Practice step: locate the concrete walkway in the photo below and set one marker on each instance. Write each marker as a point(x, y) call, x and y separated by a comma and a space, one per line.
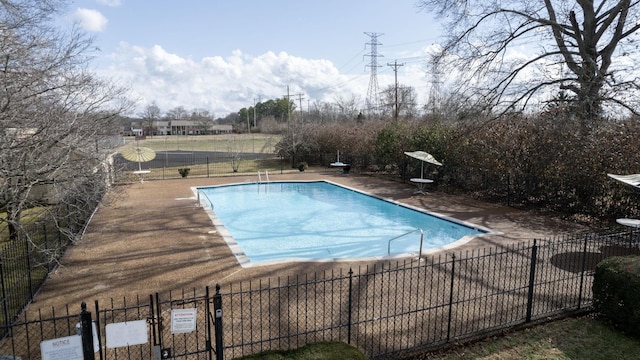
point(154, 237)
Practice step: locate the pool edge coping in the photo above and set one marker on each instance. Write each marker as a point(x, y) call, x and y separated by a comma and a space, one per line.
point(244, 261)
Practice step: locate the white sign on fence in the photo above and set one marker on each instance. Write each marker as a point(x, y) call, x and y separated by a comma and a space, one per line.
point(65, 348)
point(96, 344)
point(183, 320)
point(127, 333)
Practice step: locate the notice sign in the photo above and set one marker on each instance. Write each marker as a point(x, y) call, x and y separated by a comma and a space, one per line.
point(183, 320)
point(66, 348)
point(126, 333)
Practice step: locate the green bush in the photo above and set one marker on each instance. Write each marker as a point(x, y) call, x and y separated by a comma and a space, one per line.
point(184, 172)
point(616, 292)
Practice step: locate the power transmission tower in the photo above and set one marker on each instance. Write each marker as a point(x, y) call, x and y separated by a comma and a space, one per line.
point(435, 97)
point(395, 66)
point(373, 102)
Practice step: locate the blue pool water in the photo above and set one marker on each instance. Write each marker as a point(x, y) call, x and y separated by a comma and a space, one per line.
point(322, 220)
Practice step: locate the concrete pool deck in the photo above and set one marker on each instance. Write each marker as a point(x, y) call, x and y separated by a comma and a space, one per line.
point(154, 237)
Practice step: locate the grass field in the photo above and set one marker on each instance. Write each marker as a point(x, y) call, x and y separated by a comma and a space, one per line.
point(572, 338)
point(272, 166)
point(229, 143)
point(254, 143)
point(27, 216)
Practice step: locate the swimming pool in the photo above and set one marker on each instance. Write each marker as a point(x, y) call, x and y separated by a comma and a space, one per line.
point(320, 220)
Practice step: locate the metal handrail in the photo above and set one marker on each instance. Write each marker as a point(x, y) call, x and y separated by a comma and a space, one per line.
point(209, 200)
point(266, 174)
point(402, 235)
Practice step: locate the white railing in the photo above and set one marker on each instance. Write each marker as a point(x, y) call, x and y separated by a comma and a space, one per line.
point(405, 234)
point(209, 200)
point(266, 175)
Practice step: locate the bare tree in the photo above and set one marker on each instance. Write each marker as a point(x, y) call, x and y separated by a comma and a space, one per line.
point(54, 114)
point(150, 114)
point(575, 45)
point(177, 113)
point(235, 148)
point(400, 101)
point(295, 143)
point(347, 108)
point(204, 120)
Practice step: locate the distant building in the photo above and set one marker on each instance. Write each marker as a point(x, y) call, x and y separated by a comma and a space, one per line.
point(220, 129)
point(175, 127)
point(161, 127)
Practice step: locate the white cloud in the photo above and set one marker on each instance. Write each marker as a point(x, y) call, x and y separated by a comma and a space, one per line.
point(225, 84)
point(90, 20)
point(112, 3)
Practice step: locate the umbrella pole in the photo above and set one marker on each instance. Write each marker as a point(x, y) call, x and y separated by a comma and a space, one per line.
point(421, 169)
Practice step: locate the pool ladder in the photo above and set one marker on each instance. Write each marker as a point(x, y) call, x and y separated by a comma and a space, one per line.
point(405, 234)
point(266, 175)
point(206, 197)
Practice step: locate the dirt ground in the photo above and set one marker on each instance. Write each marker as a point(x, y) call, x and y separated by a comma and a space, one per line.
point(154, 237)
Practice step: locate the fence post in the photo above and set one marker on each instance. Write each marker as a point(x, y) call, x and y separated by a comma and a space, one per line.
point(154, 323)
point(217, 308)
point(160, 326)
point(87, 336)
point(508, 189)
point(350, 306)
point(46, 247)
point(30, 274)
point(453, 273)
point(208, 174)
point(98, 333)
point(5, 301)
point(584, 266)
point(207, 306)
point(532, 276)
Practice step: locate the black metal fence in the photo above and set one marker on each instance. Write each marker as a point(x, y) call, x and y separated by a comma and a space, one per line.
point(393, 310)
point(166, 165)
point(27, 260)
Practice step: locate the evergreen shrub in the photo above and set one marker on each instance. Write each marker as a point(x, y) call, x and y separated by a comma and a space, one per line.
point(616, 292)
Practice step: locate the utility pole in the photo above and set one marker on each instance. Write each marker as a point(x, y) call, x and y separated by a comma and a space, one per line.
point(299, 95)
point(248, 123)
point(288, 106)
point(395, 66)
point(254, 112)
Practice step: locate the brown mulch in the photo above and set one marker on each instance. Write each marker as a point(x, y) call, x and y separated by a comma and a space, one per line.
point(154, 237)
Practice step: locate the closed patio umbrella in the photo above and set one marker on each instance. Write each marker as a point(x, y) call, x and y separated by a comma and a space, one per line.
point(139, 155)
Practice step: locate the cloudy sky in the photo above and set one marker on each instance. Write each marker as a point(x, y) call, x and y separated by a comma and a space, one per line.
point(222, 55)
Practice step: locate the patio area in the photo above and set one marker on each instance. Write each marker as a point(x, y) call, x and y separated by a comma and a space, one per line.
point(154, 237)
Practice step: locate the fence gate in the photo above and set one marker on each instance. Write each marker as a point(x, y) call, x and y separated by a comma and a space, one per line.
point(182, 326)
